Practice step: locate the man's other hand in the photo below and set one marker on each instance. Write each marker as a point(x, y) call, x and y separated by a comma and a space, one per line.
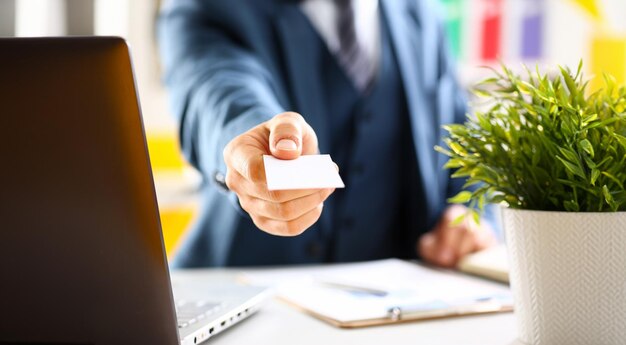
point(282, 213)
point(447, 243)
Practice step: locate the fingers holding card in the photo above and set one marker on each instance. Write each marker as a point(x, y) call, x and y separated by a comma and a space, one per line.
point(304, 172)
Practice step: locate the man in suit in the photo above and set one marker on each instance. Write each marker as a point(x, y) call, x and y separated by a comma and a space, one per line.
point(369, 81)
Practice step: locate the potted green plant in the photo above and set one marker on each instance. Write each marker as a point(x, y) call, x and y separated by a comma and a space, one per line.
point(554, 155)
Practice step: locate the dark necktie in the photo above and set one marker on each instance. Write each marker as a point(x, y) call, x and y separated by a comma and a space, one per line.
point(351, 55)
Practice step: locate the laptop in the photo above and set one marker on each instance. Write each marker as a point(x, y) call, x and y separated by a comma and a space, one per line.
point(82, 259)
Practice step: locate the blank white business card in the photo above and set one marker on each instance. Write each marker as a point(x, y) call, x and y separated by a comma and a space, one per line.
point(305, 172)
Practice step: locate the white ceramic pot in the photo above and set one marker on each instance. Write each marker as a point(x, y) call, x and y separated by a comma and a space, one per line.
point(568, 276)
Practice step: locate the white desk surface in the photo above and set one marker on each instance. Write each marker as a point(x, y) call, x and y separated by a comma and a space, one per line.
point(277, 324)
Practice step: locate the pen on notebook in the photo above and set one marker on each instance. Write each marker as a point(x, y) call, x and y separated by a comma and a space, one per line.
point(354, 288)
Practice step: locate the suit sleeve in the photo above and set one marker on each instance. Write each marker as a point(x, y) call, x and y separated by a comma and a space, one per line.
point(218, 88)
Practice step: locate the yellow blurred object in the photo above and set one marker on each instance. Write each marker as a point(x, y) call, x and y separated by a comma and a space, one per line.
point(608, 55)
point(164, 150)
point(175, 222)
point(591, 7)
point(173, 182)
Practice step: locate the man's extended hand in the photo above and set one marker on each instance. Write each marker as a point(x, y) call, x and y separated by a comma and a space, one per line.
point(447, 243)
point(283, 213)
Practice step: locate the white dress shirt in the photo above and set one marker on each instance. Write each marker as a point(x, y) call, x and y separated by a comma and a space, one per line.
point(323, 16)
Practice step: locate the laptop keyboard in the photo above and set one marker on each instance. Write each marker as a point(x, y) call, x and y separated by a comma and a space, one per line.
point(190, 312)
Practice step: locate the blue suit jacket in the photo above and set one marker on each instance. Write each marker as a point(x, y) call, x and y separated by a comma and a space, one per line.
point(231, 65)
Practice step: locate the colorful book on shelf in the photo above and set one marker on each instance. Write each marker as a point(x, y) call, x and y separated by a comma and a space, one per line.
point(454, 13)
point(590, 7)
point(532, 29)
point(491, 29)
point(608, 55)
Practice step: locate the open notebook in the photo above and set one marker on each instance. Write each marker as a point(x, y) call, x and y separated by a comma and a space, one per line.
point(382, 292)
point(490, 263)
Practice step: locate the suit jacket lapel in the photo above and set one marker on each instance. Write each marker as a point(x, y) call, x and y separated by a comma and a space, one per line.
point(409, 45)
point(304, 84)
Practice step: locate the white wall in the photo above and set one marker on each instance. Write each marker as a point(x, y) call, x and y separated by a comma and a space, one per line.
point(40, 18)
point(7, 18)
point(131, 19)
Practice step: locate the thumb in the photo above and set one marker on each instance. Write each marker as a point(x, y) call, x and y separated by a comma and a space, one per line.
point(427, 246)
point(288, 135)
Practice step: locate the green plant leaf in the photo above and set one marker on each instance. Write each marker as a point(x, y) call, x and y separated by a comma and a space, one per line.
point(574, 169)
point(579, 69)
point(589, 119)
point(571, 84)
point(595, 173)
point(458, 149)
point(619, 183)
point(590, 163)
point(542, 142)
point(481, 93)
point(621, 139)
point(605, 161)
point(444, 151)
point(587, 147)
point(454, 163)
point(569, 154)
point(475, 216)
point(571, 206)
point(462, 172)
point(608, 197)
point(461, 198)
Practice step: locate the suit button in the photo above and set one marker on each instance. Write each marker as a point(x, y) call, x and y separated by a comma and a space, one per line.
point(315, 249)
